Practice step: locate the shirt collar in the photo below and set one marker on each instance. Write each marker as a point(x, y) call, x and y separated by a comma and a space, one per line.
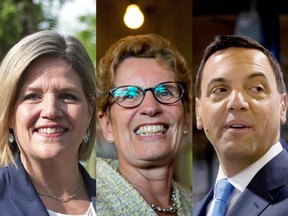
point(242, 179)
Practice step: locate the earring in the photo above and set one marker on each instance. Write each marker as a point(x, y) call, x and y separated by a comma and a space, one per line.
point(185, 132)
point(10, 138)
point(110, 140)
point(86, 136)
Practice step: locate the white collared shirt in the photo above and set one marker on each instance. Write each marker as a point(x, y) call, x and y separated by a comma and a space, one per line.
point(241, 180)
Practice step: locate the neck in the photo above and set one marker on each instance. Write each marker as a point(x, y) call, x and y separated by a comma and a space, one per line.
point(153, 183)
point(233, 167)
point(52, 176)
point(61, 179)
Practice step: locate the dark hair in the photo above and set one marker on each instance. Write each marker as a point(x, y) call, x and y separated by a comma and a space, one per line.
point(222, 42)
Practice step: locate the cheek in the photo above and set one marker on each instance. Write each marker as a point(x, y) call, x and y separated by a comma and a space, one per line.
point(77, 113)
point(121, 119)
point(177, 115)
point(211, 122)
point(22, 115)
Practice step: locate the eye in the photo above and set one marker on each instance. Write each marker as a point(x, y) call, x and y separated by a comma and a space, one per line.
point(257, 89)
point(68, 97)
point(166, 91)
point(219, 90)
point(126, 93)
point(32, 97)
point(218, 93)
point(132, 92)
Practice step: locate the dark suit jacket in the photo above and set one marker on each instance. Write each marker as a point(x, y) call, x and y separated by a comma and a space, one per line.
point(265, 195)
point(18, 196)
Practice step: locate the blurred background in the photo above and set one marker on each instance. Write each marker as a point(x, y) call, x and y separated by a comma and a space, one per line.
point(77, 17)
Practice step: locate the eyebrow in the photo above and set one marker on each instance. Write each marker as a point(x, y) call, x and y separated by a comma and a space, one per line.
point(250, 76)
point(70, 89)
point(256, 74)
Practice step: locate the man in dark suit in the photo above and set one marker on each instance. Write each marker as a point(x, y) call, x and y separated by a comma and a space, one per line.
point(241, 103)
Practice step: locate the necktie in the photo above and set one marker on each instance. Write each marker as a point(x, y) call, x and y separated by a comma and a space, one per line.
point(223, 191)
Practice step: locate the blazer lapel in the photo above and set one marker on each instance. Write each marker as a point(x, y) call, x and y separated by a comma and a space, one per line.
point(201, 206)
point(24, 197)
point(90, 183)
point(264, 189)
point(248, 204)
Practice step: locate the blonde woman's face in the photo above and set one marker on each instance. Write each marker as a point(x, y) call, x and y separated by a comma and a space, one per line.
point(51, 114)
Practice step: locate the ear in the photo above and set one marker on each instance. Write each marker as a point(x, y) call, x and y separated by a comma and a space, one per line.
point(106, 126)
point(283, 108)
point(198, 113)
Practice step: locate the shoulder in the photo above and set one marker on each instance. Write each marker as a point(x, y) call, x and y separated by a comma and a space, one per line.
point(90, 184)
point(106, 171)
point(7, 173)
point(104, 163)
point(271, 184)
point(4, 177)
point(274, 172)
point(185, 197)
point(115, 195)
point(5, 186)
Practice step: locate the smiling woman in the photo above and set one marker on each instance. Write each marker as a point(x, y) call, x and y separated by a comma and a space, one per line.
point(146, 117)
point(47, 126)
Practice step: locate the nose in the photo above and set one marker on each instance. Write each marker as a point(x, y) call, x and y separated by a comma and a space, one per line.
point(50, 107)
point(149, 106)
point(237, 102)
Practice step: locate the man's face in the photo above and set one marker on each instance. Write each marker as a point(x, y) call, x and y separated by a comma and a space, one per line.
point(240, 108)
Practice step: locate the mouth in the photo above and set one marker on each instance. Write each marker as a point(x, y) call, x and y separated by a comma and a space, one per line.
point(151, 130)
point(238, 124)
point(51, 130)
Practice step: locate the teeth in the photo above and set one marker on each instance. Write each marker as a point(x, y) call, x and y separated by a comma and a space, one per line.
point(51, 130)
point(151, 130)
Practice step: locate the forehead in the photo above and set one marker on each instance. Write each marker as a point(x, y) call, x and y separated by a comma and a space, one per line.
point(47, 70)
point(237, 63)
point(46, 63)
point(145, 72)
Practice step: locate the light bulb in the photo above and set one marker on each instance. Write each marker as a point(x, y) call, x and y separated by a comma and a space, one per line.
point(133, 17)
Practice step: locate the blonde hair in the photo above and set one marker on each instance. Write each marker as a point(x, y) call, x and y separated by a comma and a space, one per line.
point(13, 67)
point(140, 46)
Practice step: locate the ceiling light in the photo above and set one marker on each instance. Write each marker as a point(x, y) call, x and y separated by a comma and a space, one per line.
point(133, 17)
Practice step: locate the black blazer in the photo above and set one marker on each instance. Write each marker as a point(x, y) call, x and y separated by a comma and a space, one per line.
point(265, 195)
point(18, 196)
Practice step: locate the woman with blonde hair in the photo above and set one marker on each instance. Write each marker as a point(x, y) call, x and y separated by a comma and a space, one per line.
point(47, 125)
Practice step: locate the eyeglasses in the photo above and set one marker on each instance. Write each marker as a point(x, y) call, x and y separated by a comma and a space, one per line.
point(130, 96)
